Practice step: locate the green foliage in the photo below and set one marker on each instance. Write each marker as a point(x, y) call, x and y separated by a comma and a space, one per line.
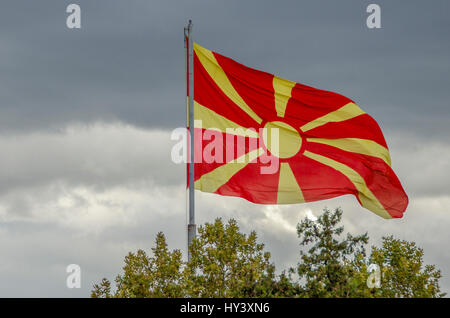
point(327, 267)
point(227, 263)
point(403, 271)
point(339, 268)
point(143, 276)
point(224, 263)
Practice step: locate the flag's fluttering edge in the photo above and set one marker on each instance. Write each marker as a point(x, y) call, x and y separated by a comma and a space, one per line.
point(323, 146)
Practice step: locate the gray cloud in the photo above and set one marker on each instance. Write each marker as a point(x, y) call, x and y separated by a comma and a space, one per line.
point(98, 154)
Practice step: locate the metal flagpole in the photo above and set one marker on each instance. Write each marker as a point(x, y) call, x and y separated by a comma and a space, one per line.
point(191, 223)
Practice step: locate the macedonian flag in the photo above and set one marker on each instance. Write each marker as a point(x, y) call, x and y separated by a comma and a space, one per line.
point(273, 141)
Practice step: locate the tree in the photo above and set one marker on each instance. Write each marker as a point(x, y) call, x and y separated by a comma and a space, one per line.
point(403, 272)
point(143, 276)
point(339, 268)
point(224, 263)
point(327, 268)
point(227, 263)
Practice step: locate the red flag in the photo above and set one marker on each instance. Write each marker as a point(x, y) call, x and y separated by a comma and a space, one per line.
point(273, 141)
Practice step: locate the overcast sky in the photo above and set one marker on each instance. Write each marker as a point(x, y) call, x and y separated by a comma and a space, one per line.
point(86, 117)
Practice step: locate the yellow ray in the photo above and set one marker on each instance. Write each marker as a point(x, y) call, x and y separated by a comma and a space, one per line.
point(216, 72)
point(213, 180)
point(283, 89)
point(288, 188)
point(357, 145)
point(213, 121)
point(347, 111)
point(368, 199)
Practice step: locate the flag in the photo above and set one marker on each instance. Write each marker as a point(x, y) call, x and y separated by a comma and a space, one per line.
point(273, 141)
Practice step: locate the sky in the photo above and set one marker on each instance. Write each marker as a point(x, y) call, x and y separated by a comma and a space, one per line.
point(86, 116)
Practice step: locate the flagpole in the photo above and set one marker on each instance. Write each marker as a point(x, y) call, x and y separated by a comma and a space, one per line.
point(191, 227)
